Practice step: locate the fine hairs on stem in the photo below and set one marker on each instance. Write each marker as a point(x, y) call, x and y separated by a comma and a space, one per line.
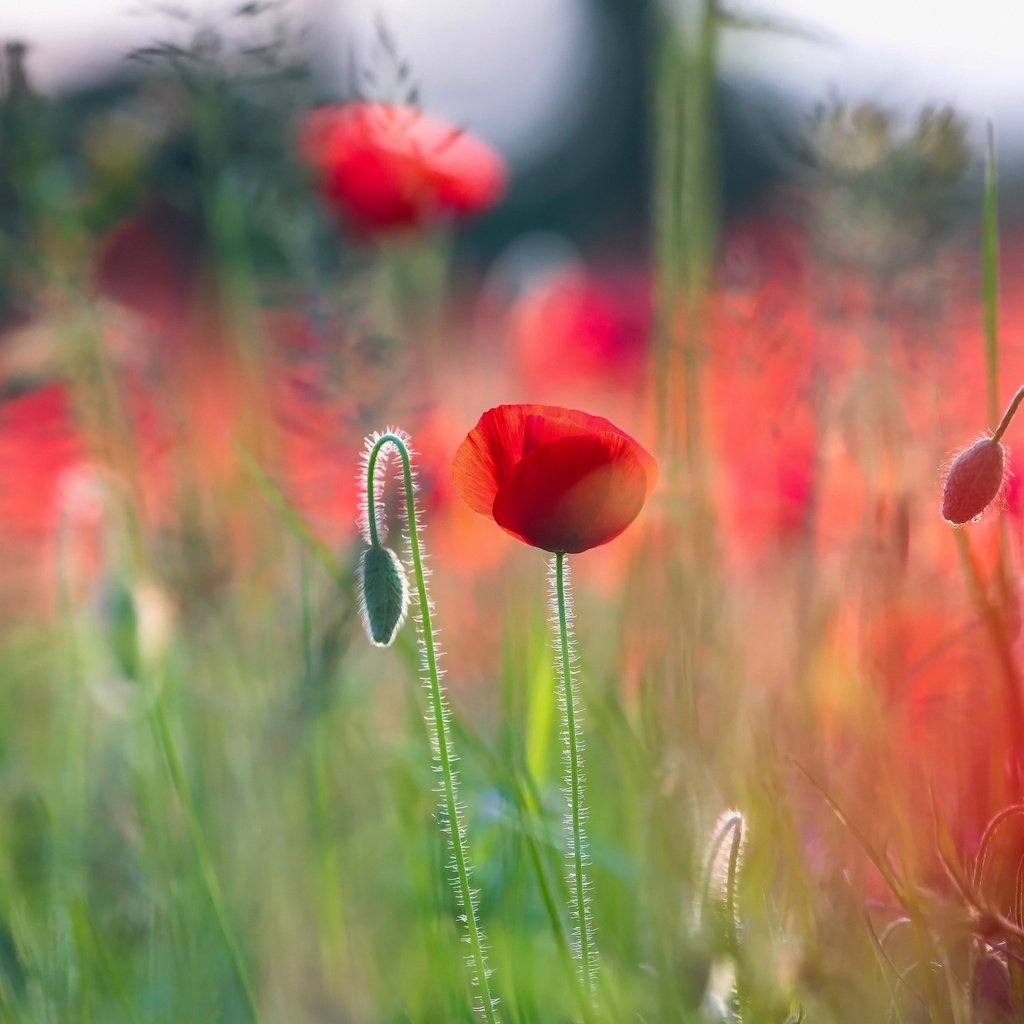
point(718, 903)
point(577, 849)
point(452, 812)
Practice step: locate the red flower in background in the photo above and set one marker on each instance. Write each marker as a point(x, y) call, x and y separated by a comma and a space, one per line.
point(387, 167)
point(760, 383)
point(39, 444)
point(558, 479)
point(593, 325)
point(151, 262)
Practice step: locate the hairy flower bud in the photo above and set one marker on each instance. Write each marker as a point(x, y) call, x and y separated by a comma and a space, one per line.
point(973, 481)
point(383, 594)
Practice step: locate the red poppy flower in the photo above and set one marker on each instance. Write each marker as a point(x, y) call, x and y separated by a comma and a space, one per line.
point(594, 325)
point(558, 479)
point(387, 167)
point(151, 262)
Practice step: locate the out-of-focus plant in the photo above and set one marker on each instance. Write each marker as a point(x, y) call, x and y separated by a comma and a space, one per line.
point(883, 194)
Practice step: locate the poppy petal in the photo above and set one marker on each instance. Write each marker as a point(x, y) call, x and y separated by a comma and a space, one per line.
point(499, 441)
point(488, 454)
point(539, 430)
point(573, 493)
point(548, 422)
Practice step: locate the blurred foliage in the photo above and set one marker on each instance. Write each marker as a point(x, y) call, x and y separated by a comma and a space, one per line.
point(216, 803)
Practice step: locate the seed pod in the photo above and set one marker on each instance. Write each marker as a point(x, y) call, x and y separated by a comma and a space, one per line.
point(973, 481)
point(383, 594)
point(992, 992)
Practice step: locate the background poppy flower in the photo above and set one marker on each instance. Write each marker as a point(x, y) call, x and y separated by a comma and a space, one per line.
point(559, 479)
point(151, 262)
point(594, 324)
point(387, 167)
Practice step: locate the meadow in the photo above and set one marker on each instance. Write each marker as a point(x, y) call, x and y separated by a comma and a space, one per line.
point(775, 775)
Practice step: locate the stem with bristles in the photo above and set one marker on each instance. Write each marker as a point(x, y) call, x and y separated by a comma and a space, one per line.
point(484, 1003)
point(1011, 409)
point(579, 905)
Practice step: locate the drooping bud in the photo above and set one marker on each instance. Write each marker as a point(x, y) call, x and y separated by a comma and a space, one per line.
point(973, 481)
point(383, 594)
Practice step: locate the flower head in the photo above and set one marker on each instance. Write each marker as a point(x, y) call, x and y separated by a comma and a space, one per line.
point(386, 167)
point(558, 479)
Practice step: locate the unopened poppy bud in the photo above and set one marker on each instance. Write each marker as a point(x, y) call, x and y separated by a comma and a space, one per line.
point(383, 594)
point(973, 481)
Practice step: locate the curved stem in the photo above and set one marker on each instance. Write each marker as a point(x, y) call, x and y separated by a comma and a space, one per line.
point(371, 483)
point(438, 720)
point(578, 885)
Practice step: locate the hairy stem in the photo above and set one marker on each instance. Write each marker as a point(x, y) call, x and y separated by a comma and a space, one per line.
point(586, 953)
point(484, 1004)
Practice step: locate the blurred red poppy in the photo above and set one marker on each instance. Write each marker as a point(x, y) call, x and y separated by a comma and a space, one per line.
point(39, 446)
point(386, 167)
point(594, 325)
point(558, 479)
point(151, 262)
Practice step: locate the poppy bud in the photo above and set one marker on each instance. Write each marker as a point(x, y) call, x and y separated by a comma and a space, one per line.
point(973, 481)
point(383, 594)
point(991, 991)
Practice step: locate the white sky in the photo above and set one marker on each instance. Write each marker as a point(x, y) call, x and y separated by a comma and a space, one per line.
point(901, 52)
point(495, 64)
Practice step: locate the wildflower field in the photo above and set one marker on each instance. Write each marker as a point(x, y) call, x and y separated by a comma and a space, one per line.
point(398, 625)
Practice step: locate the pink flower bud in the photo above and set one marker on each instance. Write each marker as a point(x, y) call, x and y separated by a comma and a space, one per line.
point(974, 480)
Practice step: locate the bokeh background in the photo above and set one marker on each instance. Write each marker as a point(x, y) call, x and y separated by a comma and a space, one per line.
point(779, 244)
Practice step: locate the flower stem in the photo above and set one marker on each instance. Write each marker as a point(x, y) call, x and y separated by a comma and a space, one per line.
point(586, 953)
point(438, 724)
point(1011, 409)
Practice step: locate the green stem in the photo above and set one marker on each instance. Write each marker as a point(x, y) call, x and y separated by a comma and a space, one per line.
point(586, 954)
point(557, 924)
point(438, 720)
point(686, 218)
point(213, 890)
point(990, 294)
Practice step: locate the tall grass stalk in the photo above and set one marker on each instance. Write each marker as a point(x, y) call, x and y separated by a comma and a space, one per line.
point(685, 218)
point(211, 882)
point(990, 278)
